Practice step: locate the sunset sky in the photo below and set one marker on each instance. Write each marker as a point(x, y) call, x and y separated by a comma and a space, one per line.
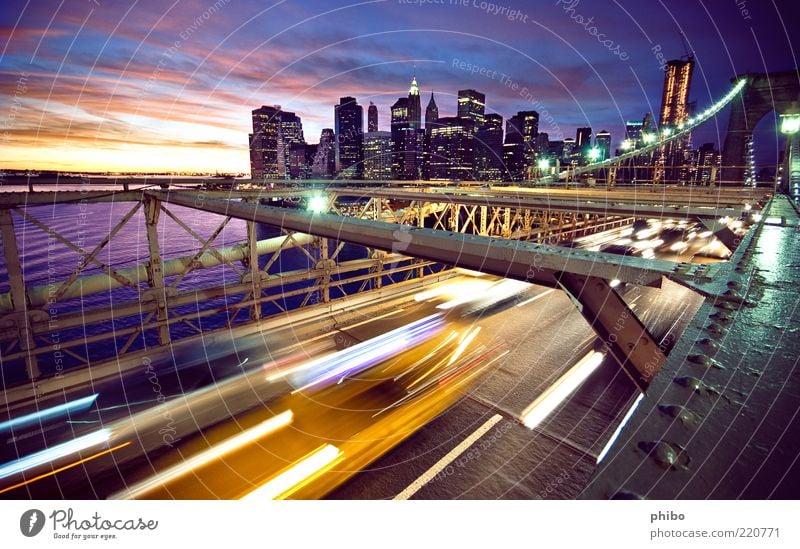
point(168, 85)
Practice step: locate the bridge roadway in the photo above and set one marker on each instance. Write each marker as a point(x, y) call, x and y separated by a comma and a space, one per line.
point(722, 419)
point(509, 460)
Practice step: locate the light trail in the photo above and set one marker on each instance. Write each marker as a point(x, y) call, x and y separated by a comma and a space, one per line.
point(297, 475)
point(205, 457)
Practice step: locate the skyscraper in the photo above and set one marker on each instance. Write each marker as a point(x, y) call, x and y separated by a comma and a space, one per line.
point(472, 104)
point(603, 142)
point(408, 137)
point(583, 142)
point(452, 149)
point(349, 116)
point(414, 105)
point(378, 155)
point(431, 115)
point(274, 133)
point(633, 132)
point(522, 130)
point(372, 117)
point(675, 98)
point(489, 149)
point(324, 165)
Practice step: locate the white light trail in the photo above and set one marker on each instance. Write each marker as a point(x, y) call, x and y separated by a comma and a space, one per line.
point(548, 401)
point(296, 476)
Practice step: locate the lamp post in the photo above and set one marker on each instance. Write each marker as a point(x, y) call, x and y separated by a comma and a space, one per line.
point(790, 126)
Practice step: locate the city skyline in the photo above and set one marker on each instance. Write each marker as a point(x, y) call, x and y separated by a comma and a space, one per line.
point(173, 90)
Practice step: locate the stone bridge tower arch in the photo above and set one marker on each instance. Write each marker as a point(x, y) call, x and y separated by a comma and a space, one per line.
point(764, 93)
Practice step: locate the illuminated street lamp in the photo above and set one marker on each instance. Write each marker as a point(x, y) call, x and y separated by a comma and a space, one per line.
point(317, 204)
point(544, 164)
point(648, 138)
point(626, 145)
point(594, 154)
point(790, 123)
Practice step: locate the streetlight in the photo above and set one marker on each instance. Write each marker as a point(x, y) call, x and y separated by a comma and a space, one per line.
point(317, 204)
point(544, 164)
point(594, 154)
point(648, 138)
point(626, 145)
point(790, 123)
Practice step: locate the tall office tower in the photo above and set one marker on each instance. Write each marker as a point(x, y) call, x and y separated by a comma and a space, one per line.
point(633, 132)
point(583, 142)
point(407, 141)
point(399, 123)
point(452, 149)
point(708, 165)
point(349, 117)
point(556, 149)
point(264, 144)
point(431, 118)
point(372, 117)
point(523, 127)
point(514, 161)
point(647, 123)
point(675, 98)
point(603, 142)
point(569, 150)
point(522, 130)
point(472, 104)
point(489, 149)
point(378, 155)
point(431, 115)
point(324, 165)
point(414, 105)
point(274, 132)
point(542, 143)
point(675, 109)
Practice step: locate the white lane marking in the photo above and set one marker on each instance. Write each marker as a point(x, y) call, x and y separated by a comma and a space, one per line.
point(451, 456)
point(534, 298)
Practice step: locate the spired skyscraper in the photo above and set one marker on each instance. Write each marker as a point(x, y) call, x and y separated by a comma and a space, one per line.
point(408, 137)
point(349, 117)
point(431, 119)
point(414, 105)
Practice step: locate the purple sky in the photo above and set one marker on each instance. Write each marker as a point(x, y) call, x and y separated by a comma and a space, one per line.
point(169, 84)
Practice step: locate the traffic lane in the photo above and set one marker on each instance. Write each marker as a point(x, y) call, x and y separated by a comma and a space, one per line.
point(495, 465)
point(352, 415)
